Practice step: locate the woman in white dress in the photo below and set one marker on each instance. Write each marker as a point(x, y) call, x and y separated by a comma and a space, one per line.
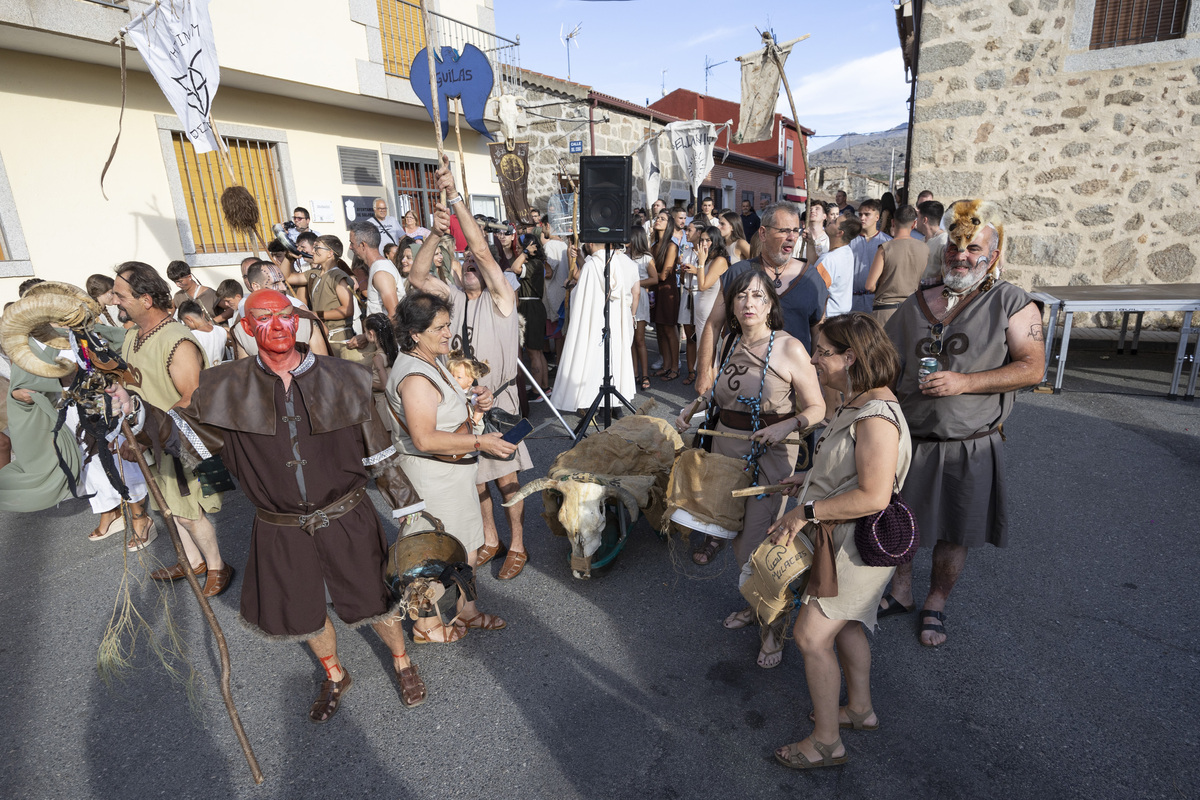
point(432, 413)
point(639, 251)
point(581, 368)
point(734, 236)
point(712, 263)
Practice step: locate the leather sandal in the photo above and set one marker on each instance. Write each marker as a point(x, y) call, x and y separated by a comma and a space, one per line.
point(116, 526)
point(795, 759)
point(218, 580)
point(412, 688)
point(487, 552)
point(330, 698)
point(935, 627)
point(176, 572)
point(450, 633)
point(484, 622)
point(708, 551)
point(857, 721)
point(513, 564)
point(140, 541)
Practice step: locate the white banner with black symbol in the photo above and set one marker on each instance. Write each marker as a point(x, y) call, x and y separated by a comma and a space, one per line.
point(176, 42)
point(647, 156)
point(693, 141)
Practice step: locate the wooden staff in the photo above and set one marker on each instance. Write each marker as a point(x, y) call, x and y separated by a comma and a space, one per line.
point(209, 616)
point(462, 159)
point(773, 48)
point(433, 89)
point(757, 490)
point(744, 437)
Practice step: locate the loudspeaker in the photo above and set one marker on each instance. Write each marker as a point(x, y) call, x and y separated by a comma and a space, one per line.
point(605, 198)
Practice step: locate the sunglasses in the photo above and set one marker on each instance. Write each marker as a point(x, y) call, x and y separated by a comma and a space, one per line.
point(935, 346)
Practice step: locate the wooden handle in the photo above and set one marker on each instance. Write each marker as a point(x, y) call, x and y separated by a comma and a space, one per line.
point(757, 490)
point(744, 437)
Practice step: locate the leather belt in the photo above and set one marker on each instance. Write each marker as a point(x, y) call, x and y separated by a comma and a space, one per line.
point(980, 435)
point(742, 421)
point(885, 306)
point(320, 518)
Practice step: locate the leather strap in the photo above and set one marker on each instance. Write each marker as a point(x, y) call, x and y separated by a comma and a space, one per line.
point(309, 523)
point(742, 421)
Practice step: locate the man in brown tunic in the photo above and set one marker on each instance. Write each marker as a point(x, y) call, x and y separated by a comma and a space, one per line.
point(987, 337)
point(302, 436)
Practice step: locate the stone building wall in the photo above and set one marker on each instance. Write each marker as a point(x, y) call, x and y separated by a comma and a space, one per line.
point(557, 113)
point(828, 181)
point(1093, 154)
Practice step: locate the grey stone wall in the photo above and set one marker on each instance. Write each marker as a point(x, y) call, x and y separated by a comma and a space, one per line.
point(557, 113)
point(1095, 167)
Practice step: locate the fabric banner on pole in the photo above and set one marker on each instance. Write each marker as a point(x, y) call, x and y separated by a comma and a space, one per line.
point(693, 141)
point(647, 156)
point(512, 169)
point(760, 92)
point(176, 42)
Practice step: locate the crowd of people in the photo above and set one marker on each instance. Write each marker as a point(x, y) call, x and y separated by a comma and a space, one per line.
point(889, 342)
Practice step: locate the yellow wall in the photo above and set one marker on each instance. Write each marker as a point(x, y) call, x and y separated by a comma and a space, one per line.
point(57, 120)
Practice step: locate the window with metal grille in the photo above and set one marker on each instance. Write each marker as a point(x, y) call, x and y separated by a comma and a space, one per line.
point(360, 167)
point(254, 166)
point(1116, 23)
point(402, 34)
point(414, 181)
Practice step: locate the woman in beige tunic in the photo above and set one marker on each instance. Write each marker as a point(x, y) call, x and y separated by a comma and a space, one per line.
point(862, 456)
point(431, 411)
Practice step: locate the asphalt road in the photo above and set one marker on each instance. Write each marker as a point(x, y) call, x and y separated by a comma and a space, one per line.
point(1070, 671)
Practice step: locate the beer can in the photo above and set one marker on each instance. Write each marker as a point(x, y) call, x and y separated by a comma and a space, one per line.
point(928, 366)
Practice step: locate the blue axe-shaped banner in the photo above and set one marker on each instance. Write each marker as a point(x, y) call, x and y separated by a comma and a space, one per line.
point(467, 77)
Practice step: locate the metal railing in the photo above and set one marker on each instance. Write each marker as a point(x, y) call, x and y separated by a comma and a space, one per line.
point(403, 37)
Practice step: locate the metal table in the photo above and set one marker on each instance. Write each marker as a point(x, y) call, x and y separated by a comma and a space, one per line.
point(1127, 300)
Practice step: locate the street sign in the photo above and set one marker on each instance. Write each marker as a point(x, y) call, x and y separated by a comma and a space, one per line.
point(576, 145)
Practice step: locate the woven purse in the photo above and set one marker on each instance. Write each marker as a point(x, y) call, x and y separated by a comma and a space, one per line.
point(889, 538)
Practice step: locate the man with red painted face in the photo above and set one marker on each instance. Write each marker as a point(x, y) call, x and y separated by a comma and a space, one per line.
point(302, 436)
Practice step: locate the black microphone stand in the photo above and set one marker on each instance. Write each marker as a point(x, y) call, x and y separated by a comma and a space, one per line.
point(607, 389)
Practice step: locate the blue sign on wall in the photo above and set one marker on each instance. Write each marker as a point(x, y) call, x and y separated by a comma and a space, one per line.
point(577, 146)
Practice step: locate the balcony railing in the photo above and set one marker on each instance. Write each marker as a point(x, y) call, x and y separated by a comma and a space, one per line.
point(403, 37)
point(121, 4)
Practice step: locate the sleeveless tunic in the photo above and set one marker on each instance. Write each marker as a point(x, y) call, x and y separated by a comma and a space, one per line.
point(322, 292)
point(957, 463)
point(494, 339)
point(150, 363)
point(835, 472)
point(448, 489)
point(740, 376)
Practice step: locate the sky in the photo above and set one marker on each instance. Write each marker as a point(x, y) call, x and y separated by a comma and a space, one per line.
point(847, 77)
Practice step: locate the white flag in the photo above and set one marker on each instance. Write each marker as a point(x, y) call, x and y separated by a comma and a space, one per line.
point(176, 42)
point(693, 141)
point(760, 91)
point(651, 174)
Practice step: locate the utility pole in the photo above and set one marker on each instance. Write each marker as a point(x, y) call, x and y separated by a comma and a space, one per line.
point(664, 83)
point(892, 171)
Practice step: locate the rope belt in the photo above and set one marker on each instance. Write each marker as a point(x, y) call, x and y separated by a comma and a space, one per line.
point(320, 518)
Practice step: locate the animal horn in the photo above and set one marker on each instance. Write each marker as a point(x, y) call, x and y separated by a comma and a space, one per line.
point(45, 305)
point(626, 497)
point(530, 488)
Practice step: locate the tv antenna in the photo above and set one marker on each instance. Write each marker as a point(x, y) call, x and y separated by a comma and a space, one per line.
point(708, 67)
point(664, 83)
point(567, 40)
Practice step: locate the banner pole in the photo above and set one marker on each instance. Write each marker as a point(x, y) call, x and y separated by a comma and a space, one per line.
point(436, 111)
point(810, 247)
point(462, 159)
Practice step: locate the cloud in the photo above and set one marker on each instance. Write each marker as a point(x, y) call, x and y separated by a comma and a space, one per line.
point(862, 95)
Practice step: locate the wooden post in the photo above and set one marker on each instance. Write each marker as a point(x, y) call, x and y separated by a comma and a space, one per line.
point(810, 248)
point(209, 616)
point(433, 88)
point(462, 160)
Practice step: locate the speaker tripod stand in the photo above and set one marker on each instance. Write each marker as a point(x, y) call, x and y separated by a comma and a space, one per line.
point(607, 389)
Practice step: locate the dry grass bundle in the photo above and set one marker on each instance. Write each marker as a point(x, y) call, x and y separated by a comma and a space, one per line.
point(240, 209)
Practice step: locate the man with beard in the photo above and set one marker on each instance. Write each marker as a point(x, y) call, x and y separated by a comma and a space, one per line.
point(165, 362)
point(302, 436)
point(485, 327)
point(986, 336)
point(803, 289)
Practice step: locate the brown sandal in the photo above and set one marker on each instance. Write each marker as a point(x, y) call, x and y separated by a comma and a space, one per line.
point(487, 552)
point(450, 633)
point(330, 699)
point(484, 622)
point(708, 551)
point(412, 688)
point(513, 564)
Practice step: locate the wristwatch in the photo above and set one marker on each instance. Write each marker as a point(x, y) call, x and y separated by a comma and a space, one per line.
point(810, 512)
